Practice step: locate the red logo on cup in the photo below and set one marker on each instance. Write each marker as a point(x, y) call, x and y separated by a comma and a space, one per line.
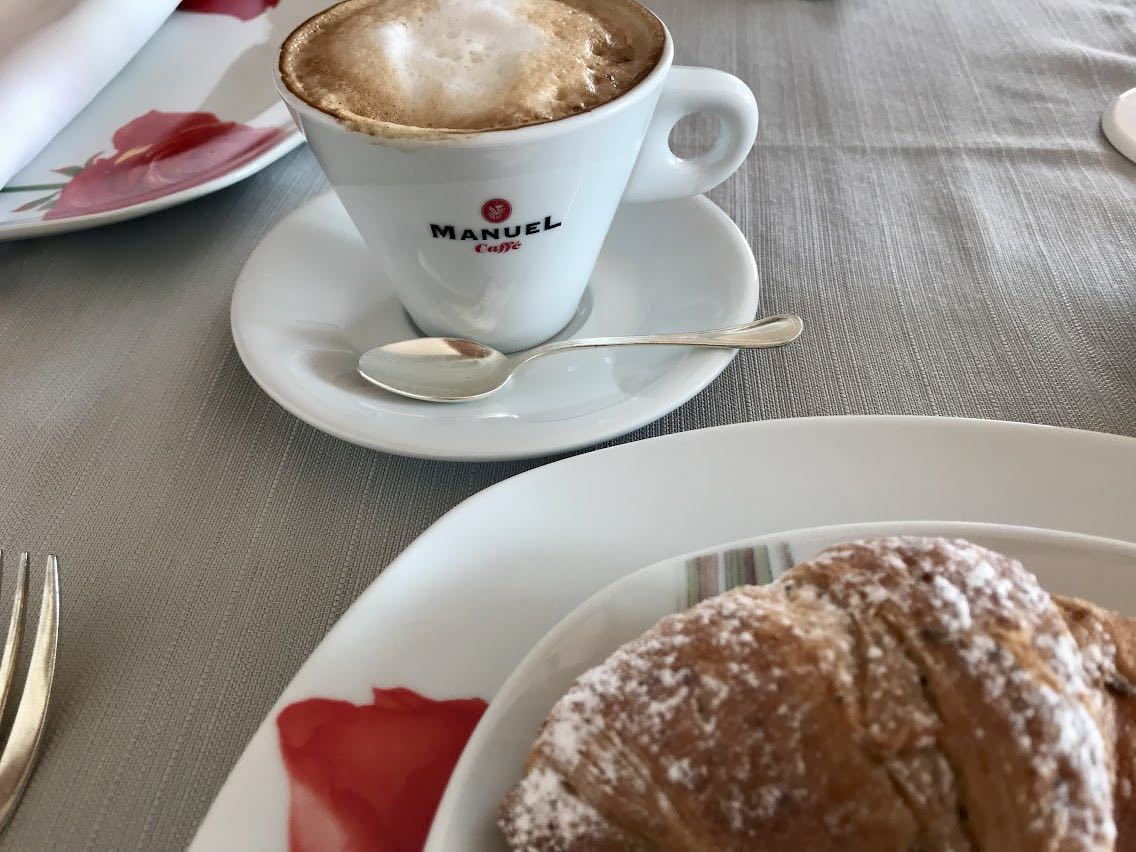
point(496, 210)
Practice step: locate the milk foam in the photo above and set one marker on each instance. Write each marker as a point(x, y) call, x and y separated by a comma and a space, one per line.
point(469, 64)
point(463, 58)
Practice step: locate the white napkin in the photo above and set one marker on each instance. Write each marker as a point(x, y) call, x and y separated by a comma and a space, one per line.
point(55, 56)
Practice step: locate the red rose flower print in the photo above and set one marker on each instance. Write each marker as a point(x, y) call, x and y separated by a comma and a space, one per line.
point(246, 10)
point(157, 154)
point(370, 776)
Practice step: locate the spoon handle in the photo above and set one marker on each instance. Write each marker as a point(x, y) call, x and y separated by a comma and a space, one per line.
point(759, 334)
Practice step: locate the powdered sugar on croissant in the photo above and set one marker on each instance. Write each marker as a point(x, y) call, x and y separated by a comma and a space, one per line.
point(898, 694)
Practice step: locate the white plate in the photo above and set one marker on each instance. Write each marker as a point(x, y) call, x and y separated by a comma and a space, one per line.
point(455, 613)
point(306, 306)
point(1119, 124)
point(1096, 569)
point(212, 63)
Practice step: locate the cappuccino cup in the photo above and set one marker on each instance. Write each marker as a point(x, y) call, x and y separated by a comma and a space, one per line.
point(482, 147)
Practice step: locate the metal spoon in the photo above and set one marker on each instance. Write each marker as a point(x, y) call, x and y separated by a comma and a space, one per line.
point(449, 369)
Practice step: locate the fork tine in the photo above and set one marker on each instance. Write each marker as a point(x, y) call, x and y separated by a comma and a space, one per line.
point(15, 631)
point(19, 753)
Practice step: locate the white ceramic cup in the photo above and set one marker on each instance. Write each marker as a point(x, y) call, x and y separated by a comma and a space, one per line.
point(492, 235)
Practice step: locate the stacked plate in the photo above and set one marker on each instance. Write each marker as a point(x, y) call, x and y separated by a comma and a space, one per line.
point(518, 590)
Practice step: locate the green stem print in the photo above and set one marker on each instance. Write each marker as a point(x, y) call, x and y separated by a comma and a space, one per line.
point(33, 187)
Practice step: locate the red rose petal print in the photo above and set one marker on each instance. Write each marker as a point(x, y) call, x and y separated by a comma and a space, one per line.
point(155, 127)
point(160, 153)
point(246, 10)
point(370, 776)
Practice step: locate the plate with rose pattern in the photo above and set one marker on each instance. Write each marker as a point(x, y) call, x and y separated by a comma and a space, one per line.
point(358, 749)
point(193, 112)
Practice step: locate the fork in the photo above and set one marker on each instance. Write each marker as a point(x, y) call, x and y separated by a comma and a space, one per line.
point(19, 754)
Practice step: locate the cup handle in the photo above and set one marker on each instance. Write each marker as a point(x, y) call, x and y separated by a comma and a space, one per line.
point(660, 174)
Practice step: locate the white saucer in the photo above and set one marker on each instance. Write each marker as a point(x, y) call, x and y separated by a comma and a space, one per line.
point(492, 760)
point(306, 305)
point(1119, 124)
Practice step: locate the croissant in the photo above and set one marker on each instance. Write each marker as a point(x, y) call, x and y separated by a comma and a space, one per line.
point(896, 694)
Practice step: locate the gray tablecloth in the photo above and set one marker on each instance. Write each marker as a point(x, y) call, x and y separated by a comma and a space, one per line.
point(930, 189)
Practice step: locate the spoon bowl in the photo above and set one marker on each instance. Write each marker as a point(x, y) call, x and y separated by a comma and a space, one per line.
point(437, 369)
point(450, 369)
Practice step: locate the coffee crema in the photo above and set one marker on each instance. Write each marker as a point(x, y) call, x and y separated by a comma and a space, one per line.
point(468, 65)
